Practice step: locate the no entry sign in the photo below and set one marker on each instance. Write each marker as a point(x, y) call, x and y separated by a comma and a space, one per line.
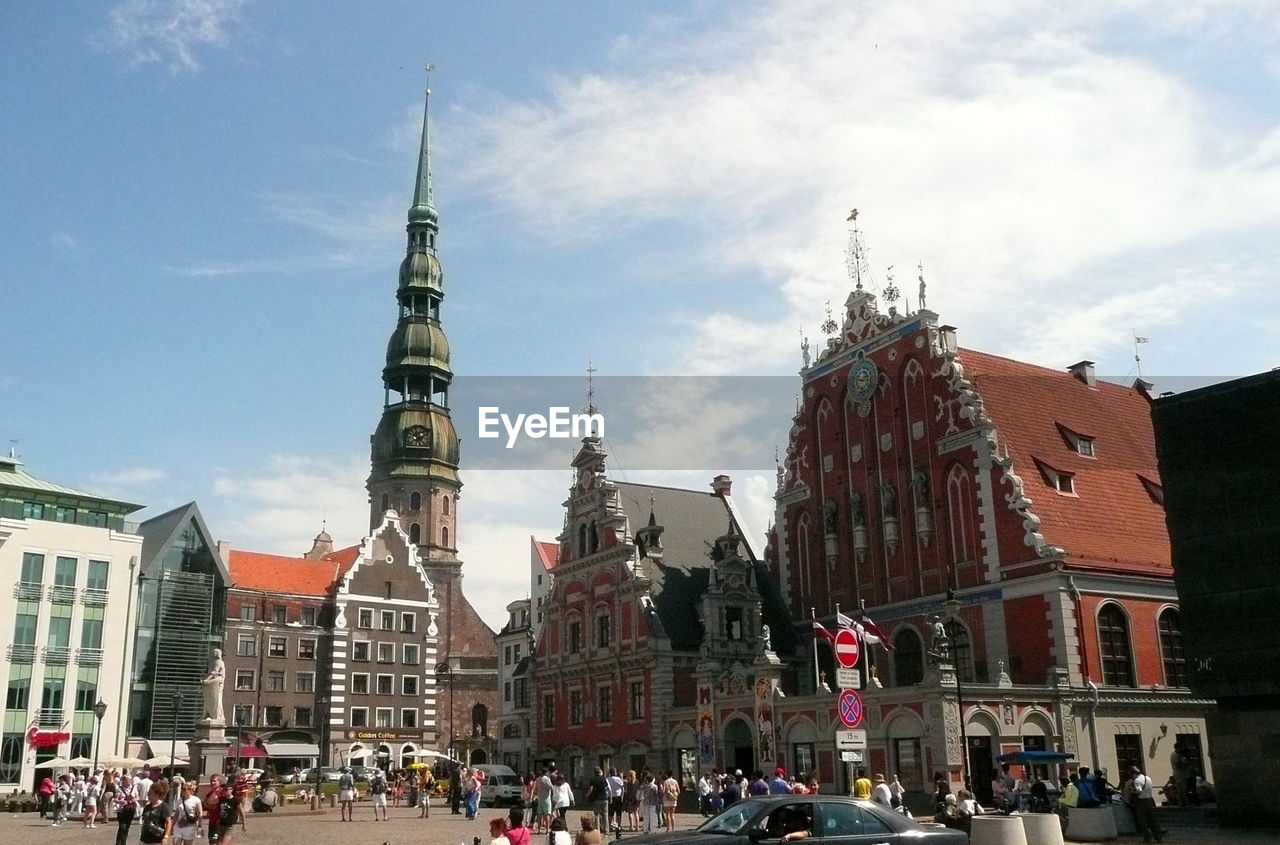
point(846, 648)
point(850, 708)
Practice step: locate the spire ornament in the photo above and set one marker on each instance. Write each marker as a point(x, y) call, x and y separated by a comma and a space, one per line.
point(890, 292)
point(855, 254)
point(920, 268)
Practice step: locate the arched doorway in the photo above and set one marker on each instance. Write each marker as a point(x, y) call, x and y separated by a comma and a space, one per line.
point(983, 734)
point(479, 757)
point(739, 746)
point(407, 757)
point(382, 759)
point(479, 721)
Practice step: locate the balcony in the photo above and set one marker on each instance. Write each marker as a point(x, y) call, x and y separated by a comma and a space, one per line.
point(28, 591)
point(62, 594)
point(49, 717)
point(20, 653)
point(93, 596)
point(56, 655)
point(89, 657)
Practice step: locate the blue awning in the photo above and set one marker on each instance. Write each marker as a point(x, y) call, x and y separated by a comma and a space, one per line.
point(1035, 757)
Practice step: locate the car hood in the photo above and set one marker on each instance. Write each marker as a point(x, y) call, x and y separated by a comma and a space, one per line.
point(685, 837)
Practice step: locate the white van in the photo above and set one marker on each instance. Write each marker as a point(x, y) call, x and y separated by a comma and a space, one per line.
point(501, 786)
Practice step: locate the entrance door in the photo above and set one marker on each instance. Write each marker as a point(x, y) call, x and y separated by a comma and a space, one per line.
point(981, 764)
point(739, 747)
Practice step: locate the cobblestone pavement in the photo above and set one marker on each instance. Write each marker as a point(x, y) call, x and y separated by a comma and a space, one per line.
point(297, 826)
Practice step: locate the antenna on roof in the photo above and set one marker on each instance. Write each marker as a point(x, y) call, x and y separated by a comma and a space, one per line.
point(591, 388)
point(13, 449)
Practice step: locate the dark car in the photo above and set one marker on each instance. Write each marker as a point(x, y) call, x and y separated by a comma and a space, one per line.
point(833, 819)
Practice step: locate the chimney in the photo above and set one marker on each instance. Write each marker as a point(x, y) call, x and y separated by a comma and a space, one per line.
point(1083, 370)
point(947, 338)
point(721, 485)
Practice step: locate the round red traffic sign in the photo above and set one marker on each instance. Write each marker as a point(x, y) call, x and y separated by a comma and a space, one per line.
point(850, 708)
point(846, 648)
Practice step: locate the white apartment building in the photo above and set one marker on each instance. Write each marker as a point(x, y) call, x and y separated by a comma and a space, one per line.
point(66, 618)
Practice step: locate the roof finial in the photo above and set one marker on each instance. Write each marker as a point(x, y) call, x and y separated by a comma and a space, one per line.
point(920, 267)
point(829, 325)
point(890, 292)
point(591, 388)
point(423, 208)
point(855, 254)
point(1137, 359)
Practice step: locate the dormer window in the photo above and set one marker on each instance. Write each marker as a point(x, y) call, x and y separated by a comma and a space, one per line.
point(1060, 480)
point(1081, 443)
point(1154, 489)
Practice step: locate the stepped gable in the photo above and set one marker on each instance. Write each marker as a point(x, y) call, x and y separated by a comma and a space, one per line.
point(1112, 521)
point(691, 522)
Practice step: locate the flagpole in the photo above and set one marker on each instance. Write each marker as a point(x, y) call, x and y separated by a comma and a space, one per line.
point(813, 614)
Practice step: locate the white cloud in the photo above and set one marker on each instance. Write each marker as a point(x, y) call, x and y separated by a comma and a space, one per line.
point(169, 31)
point(129, 479)
point(1006, 146)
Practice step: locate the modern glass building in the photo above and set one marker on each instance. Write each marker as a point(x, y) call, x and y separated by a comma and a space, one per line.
point(181, 594)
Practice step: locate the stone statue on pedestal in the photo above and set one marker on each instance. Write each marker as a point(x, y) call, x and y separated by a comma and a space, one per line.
point(212, 686)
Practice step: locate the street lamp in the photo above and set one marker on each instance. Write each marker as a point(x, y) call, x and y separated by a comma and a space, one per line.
point(443, 669)
point(99, 710)
point(176, 698)
point(952, 608)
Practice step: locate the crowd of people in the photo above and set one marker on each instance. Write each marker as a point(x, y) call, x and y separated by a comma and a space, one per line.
point(164, 808)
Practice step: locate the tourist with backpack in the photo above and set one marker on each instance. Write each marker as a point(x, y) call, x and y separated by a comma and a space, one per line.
point(378, 793)
point(223, 814)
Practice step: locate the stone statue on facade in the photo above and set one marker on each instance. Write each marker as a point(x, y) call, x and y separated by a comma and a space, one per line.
point(855, 509)
point(829, 518)
point(941, 643)
point(889, 500)
point(212, 686)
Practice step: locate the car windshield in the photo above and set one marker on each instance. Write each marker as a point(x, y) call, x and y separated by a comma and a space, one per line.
point(733, 820)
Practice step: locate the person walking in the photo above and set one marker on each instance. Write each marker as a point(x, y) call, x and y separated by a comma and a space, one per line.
point(631, 800)
point(562, 797)
point(378, 794)
point(598, 798)
point(126, 802)
point(185, 817)
point(616, 787)
point(92, 792)
point(545, 792)
point(346, 794)
point(670, 794)
point(455, 788)
point(650, 803)
point(1143, 804)
point(426, 783)
point(107, 801)
point(862, 786)
point(155, 818)
point(881, 794)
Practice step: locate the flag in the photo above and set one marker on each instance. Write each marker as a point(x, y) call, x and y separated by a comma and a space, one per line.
point(820, 631)
point(871, 632)
point(1141, 340)
point(842, 620)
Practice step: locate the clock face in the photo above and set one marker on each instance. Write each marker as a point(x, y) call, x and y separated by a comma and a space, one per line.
point(862, 379)
point(417, 435)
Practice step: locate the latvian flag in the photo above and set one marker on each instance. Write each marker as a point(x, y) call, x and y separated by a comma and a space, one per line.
point(865, 629)
point(820, 631)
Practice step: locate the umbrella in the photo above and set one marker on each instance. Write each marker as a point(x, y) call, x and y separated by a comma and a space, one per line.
point(428, 753)
point(116, 761)
point(79, 762)
point(55, 763)
point(164, 761)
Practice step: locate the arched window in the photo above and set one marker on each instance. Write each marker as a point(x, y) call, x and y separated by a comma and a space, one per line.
point(595, 538)
point(444, 505)
point(479, 720)
point(908, 658)
point(961, 651)
point(444, 537)
point(386, 502)
point(582, 540)
point(415, 501)
point(415, 534)
point(960, 512)
point(1171, 653)
point(1113, 642)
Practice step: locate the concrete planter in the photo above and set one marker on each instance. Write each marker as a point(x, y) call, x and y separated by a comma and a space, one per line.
point(1092, 824)
point(1042, 828)
point(997, 830)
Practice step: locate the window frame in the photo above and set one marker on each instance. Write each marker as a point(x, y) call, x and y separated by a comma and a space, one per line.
point(304, 681)
point(252, 675)
point(410, 617)
point(360, 679)
point(404, 654)
point(1113, 654)
point(364, 618)
point(313, 644)
point(277, 646)
point(360, 645)
point(386, 620)
point(358, 717)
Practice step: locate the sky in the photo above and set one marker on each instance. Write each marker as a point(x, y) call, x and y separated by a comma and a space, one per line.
point(202, 217)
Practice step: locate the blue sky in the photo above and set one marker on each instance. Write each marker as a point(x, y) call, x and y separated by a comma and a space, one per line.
point(202, 207)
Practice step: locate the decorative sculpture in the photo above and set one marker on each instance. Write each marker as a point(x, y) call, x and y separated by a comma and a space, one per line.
point(212, 685)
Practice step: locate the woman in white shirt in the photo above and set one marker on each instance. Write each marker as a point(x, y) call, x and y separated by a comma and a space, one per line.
point(968, 805)
point(561, 797)
point(186, 814)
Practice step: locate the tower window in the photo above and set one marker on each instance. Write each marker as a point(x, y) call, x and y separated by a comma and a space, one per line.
point(444, 537)
point(415, 501)
point(444, 505)
point(415, 534)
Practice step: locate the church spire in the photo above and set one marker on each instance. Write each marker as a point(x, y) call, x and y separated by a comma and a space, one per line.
point(423, 209)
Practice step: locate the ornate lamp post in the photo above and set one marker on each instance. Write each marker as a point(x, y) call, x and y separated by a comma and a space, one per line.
point(99, 710)
point(176, 698)
point(952, 608)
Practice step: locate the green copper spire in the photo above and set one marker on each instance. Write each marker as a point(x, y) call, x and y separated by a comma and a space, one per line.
point(423, 209)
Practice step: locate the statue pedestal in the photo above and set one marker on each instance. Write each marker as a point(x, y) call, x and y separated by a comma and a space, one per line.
point(209, 748)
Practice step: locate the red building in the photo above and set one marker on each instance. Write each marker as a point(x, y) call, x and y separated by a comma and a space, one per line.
point(1021, 507)
point(657, 605)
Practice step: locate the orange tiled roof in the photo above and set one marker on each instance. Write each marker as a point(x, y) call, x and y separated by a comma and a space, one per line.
point(548, 552)
point(1112, 521)
point(282, 574)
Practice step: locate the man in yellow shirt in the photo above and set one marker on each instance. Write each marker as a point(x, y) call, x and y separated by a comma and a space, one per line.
point(862, 786)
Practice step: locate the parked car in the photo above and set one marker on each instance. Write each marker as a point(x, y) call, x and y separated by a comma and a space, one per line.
point(502, 786)
point(837, 820)
point(361, 773)
point(252, 775)
point(327, 774)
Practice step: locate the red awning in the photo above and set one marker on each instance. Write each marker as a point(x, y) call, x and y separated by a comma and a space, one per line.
point(245, 751)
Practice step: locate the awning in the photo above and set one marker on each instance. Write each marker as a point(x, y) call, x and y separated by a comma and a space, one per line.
point(291, 749)
point(245, 751)
point(1035, 757)
point(164, 746)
